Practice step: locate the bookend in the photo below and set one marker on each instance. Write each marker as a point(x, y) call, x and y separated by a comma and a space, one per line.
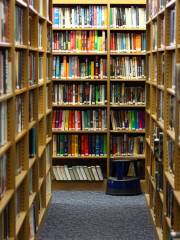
point(124, 178)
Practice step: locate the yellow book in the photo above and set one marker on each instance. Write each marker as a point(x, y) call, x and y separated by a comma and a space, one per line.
point(73, 144)
point(66, 120)
point(76, 145)
point(92, 69)
point(135, 145)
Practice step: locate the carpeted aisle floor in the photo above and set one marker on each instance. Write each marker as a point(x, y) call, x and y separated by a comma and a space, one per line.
point(96, 216)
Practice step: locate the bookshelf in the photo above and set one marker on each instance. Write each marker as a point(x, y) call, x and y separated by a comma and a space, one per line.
point(25, 122)
point(162, 116)
point(85, 50)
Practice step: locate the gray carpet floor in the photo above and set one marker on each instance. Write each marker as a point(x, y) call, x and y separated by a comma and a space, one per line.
point(96, 216)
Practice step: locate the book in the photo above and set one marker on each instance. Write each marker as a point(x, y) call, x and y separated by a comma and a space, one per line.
point(18, 165)
point(32, 142)
point(32, 71)
point(40, 35)
point(177, 80)
point(122, 93)
point(173, 73)
point(127, 145)
point(128, 119)
point(31, 106)
point(79, 120)
point(19, 59)
point(3, 175)
point(19, 25)
point(5, 72)
point(3, 123)
point(94, 16)
point(79, 41)
point(170, 154)
point(79, 67)
point(162, 29)
point(4, 21)
point(160, 106)
point(127, 67)
point(40, 68)
point(95, 173)
point(154, 36)
point(127, 42)
point(87, 93)
point(172, 26)
point(172, 112)
point(5, 223)
point(169, 203)
point(99, 171)
point(30, 179)
point(123, 17)
point(32, 222)
point(19, 113)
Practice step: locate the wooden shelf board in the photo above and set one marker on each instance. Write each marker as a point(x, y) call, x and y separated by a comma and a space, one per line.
point(19, 221)
point(124, 79)
point(5, 44)
point(19, 178)
point(170, 178)
point(5, 199)
point(48, 111)
point(20, 91)
point(41, 215)
point(120, 105)
point(161, 124)
point(140, 2)
point(31, 124)
point(48, 199)
point(148, 141)
point(21, 46)
point(79, 185)
point(177, 196)
point(171, 48)
point(55, 130)
point(79, 157)
point(20, 135)
point(31, 199)
point(79, 28)
point(48, 140)
point(41, 150)
point(171, 134)
point(170, 4)
point(135, 156)
point(40, 182)
point(5, 97)
point(40, 116)
point(21, 3)
point(171, 91)
point(32, 161)
point(34, 86)
point(79, 80)
point(161, 49)
point(168, 221)
point(79, 105)
point(5, 148)
point(127, 29)
point(81, 53)
point(79, 2)
point(128, 53)
point(127, 131)
point(33, 49)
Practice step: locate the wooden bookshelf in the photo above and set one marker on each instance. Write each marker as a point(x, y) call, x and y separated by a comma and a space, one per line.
point(162, 117)
point(59, 160)
point(22, 170)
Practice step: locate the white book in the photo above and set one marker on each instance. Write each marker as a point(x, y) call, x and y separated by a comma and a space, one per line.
point(99, 171)
point(67, 172)
point(74, 168)
point(95, 173)
point(72, 174)
point(62, 170)
point(83, 173)
point(79, 173)
point(55, 173)
point(87, 173)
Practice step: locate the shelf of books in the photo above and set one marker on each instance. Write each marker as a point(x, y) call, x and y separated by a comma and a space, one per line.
point(98, 89)
point(25, 90)
point(162, 116)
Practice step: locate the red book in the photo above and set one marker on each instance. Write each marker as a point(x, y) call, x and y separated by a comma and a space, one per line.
point(60, 119)
point(73, 119)
point(86, 145)
point(82, 144)
point(70, 120)
point(79, 120)
point(54, 119)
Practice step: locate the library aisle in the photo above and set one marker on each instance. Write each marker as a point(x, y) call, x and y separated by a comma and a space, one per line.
point(96, 216)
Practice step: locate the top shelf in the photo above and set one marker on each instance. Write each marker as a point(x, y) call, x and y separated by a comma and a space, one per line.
point(125, 2)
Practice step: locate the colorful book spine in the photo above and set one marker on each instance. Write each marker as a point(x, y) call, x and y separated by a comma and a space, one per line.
point(79, 145)
point(79, 120)
point(80, 16)
point(127, 42)
point(127, 145)
point(127, 67)
point(32, 142)
point(85, 41)
point(78, 67)
point(89, 94)
point(130, 119)
point(122, 93)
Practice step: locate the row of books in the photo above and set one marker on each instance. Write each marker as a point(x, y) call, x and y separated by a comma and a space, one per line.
point(68, 41)
point(79, 145)
point(153, 6)
point(5, 72)
point(127, 145)
point(3, 175)
point(4, 20)
point(80, 94)
point(80, 16)
point(19, 61)
point(80, 119)
point(169, 203)
point(32, 221)
point(77, 173)
point(127, 42)
point(74, 67)
point(127, 94)
point(130, 67)
point(132, 17)
point(31, 106)
point(19, 25)
point(3, 124)
point(128, 119)
point(32, 69)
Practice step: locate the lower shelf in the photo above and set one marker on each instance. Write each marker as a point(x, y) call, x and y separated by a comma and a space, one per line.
point(79, 185)
point(84, 185)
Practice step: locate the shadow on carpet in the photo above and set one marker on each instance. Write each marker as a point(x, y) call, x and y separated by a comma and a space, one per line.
point(96, 216)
